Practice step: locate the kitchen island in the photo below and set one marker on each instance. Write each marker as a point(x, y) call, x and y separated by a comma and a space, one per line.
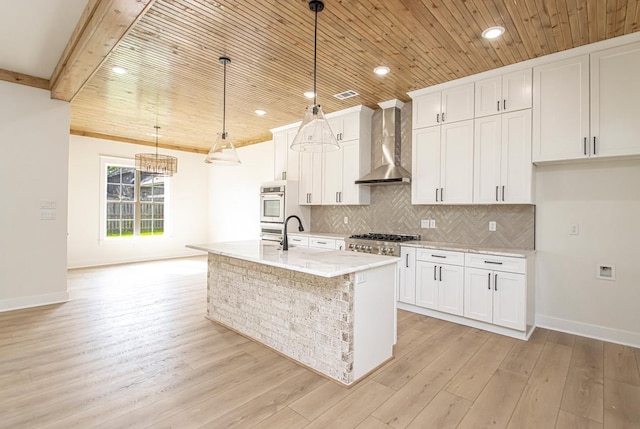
point(332, 311)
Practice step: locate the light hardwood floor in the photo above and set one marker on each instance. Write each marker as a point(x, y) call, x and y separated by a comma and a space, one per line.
point(132, 349)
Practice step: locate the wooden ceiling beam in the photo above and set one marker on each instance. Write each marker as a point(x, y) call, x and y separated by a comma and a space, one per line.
point(100, 28)
point(24, 79)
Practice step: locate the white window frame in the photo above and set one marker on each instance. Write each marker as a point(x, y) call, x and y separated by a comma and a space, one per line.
point(129, 163)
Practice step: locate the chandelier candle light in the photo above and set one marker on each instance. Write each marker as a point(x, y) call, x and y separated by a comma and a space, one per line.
point(223, 151)
point(315, 134)
point(156, 164)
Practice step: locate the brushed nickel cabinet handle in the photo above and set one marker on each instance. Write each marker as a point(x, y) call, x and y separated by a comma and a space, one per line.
point(594, 145)
point(502, 192)
point(435, 268)
point(504, 105)
point(440, 272)
point(441, 194)
point(584, 146)
point(489, 281)
point(436, 195)
point(442, 116)
point(438, 117)
point(438, 256)
point(495, 282)
point(498, 105)
point(493, 262)
point(497, 193)
point(407, 262)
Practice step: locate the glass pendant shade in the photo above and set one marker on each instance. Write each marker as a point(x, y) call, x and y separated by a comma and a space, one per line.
point(155, 163)
point(223, 151)
point(314, 134)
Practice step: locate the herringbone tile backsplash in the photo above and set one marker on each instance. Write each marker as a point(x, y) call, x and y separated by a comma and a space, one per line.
point(391, 210)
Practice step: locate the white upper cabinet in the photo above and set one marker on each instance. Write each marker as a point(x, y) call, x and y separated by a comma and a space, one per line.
point(286, 160)
point(587, 107)
point(503, 172)
point(615, 101)
point(506, 93)
point(442, 167)
point(329, 178)
point(561, 110)
point(441, 107)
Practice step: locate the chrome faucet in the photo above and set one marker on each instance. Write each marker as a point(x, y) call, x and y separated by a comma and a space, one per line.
point(285, 241)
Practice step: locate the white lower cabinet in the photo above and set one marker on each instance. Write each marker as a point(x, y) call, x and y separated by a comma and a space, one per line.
point(440, 285)
point(468, 288)
point(318, 242)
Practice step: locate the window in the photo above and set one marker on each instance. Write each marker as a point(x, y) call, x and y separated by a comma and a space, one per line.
point(134, 202)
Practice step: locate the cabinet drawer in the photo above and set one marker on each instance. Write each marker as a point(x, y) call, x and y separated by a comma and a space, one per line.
point(295, 240)
point(496, 263)
point(440, 256)
point(323, 243)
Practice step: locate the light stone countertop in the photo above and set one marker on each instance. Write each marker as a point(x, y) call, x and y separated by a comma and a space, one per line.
point(469, 248)
point(318, 262)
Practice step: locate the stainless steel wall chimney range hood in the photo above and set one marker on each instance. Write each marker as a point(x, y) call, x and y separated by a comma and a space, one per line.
point(390, 172)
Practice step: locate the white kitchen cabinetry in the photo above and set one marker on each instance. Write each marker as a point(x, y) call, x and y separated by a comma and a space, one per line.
point(501, 94)
point(587, 107)
point(329, 178)
point(443, 107)
point(407, 273)
point(503, 172)
point(495, 290)
point(286, 160)
point(561, 110)
point(615, 106)
point(442, 164)
point(316, 241)
point(440, 280)
point(310, 178)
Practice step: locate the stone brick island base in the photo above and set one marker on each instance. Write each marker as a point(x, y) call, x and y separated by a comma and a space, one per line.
point(342, 326)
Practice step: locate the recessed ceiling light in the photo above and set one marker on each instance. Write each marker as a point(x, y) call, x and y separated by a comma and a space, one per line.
point(493, 32)
point(381, 70)
point(260, 112)
point(119, 70)
point(309, 94)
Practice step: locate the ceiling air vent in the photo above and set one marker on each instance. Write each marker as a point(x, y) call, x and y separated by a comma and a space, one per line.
point(347, 94)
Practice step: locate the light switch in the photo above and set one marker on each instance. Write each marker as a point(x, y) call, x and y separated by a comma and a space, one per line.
point(574, 229)
point(492, 226)
point(424, 223)
point(432, 223)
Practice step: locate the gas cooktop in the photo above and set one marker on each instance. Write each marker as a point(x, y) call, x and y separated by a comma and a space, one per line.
point(385, 237)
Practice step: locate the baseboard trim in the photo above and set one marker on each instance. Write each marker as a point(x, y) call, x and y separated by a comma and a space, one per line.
point(597, 332)
point(33, 301)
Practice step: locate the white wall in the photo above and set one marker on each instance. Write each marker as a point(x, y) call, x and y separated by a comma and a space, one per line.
point(603, 198)
point(34, 134)
point(234, 204)
point(187, 206)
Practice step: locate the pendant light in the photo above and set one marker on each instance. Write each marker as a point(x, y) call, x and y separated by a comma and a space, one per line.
point(223, 151)
point(156, 164)
point(314, 134)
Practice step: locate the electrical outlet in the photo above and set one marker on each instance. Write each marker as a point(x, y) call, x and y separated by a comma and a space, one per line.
point(424, 223)
point(432, 223)
point(345, 220)
point(574, 229)
point(492, 226)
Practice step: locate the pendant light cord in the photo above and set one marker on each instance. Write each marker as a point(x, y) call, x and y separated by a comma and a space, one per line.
point(224, 101)
point(315, 60)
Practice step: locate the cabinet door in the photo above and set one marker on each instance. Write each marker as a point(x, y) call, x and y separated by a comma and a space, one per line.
point(509, 300)
point(478, 294)
point(516, 91)
point(561, 110)
point(517, 170)
point(456, 163)
point(451, 289)
point(426, 110)
point(332, 176)
point(615, 101)
point(351, 194)
point(488, 99)
point(486, 159)
point(280, 149)
point(457, 104)
point(425, 165)
point(350, 127)
point(407, 287)
point(293, 157)
point(426, 285)
point(310, 181)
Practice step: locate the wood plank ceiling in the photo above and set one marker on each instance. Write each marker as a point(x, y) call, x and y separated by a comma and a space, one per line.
point(174, 77)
